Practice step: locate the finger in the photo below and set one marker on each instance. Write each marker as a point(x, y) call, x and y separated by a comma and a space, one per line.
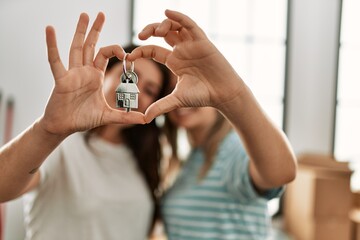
point(194, 30)
point(76, 49)
point(170, 30)
point(102, 57)
point(172, 39)
point(168, 26)
point(157, 53)
point(57, 68)
point(92, 38)
point(161, 106)
point(114, 116)
point(148, 31)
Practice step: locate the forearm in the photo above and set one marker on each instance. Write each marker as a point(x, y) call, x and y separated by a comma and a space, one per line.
point(272, 160)
point(20, 159)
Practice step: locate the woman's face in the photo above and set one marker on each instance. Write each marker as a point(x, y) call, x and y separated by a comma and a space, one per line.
point(149, 83)
point(193, 118)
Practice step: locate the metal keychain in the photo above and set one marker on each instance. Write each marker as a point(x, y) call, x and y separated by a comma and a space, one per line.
point(127, 92)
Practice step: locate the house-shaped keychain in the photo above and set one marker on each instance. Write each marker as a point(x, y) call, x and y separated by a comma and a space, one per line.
point(127, 94)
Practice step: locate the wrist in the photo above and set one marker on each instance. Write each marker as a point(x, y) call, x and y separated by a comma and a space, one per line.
point(240, 105)
point(43, 129)
point(233, 97)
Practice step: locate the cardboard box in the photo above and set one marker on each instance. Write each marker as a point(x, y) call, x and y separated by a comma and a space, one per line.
point(355, 223)
point(317, 203)
point(356, 200)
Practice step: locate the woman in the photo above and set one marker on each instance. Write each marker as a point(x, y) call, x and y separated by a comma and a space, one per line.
point(222, 189)
point(214, 195)
point(98, 184)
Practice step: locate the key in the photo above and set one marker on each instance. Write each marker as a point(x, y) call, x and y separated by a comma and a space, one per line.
point(127, 91)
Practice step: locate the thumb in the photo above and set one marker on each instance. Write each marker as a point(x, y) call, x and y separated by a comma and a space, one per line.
point(161, 106)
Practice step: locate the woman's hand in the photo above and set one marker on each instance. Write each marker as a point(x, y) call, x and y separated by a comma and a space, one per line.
point(77, 102)
point(205, 78)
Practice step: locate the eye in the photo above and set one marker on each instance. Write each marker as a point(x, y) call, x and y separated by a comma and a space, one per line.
point(151, 91)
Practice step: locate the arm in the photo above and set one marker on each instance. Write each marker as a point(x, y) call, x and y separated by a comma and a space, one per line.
point(77, 103)
point(20, 159)
point(205, 78)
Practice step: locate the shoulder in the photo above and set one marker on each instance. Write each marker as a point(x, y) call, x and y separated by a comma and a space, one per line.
point(73, 144)
point(74, 140)
point(231, 146)
point(64, 155)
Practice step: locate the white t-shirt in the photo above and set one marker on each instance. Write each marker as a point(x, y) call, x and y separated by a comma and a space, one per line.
point(83, 194)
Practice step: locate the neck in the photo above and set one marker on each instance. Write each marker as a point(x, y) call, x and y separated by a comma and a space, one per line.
point(198, 136)
point(110, 133)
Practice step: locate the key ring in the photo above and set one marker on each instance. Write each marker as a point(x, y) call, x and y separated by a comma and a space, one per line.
point(132, 67)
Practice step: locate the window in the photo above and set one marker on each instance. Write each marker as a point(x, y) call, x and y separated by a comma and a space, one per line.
point(250, 33)
point(347, 129)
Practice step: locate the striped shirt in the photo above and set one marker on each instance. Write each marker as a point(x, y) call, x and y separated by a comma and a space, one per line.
point(223, 205)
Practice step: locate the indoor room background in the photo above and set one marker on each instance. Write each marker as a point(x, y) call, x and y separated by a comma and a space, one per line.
point(300, 58)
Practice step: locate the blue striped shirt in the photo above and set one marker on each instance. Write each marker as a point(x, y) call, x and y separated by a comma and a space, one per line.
point(223, 205)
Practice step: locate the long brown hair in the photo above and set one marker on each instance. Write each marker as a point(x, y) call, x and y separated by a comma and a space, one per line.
point(217, 133)
point(144, 141)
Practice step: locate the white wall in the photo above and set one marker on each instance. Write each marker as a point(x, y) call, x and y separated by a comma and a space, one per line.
point(24, 70)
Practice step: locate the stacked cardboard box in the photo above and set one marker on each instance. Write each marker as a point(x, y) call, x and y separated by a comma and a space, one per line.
point(355, 217)
point(318, 202)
